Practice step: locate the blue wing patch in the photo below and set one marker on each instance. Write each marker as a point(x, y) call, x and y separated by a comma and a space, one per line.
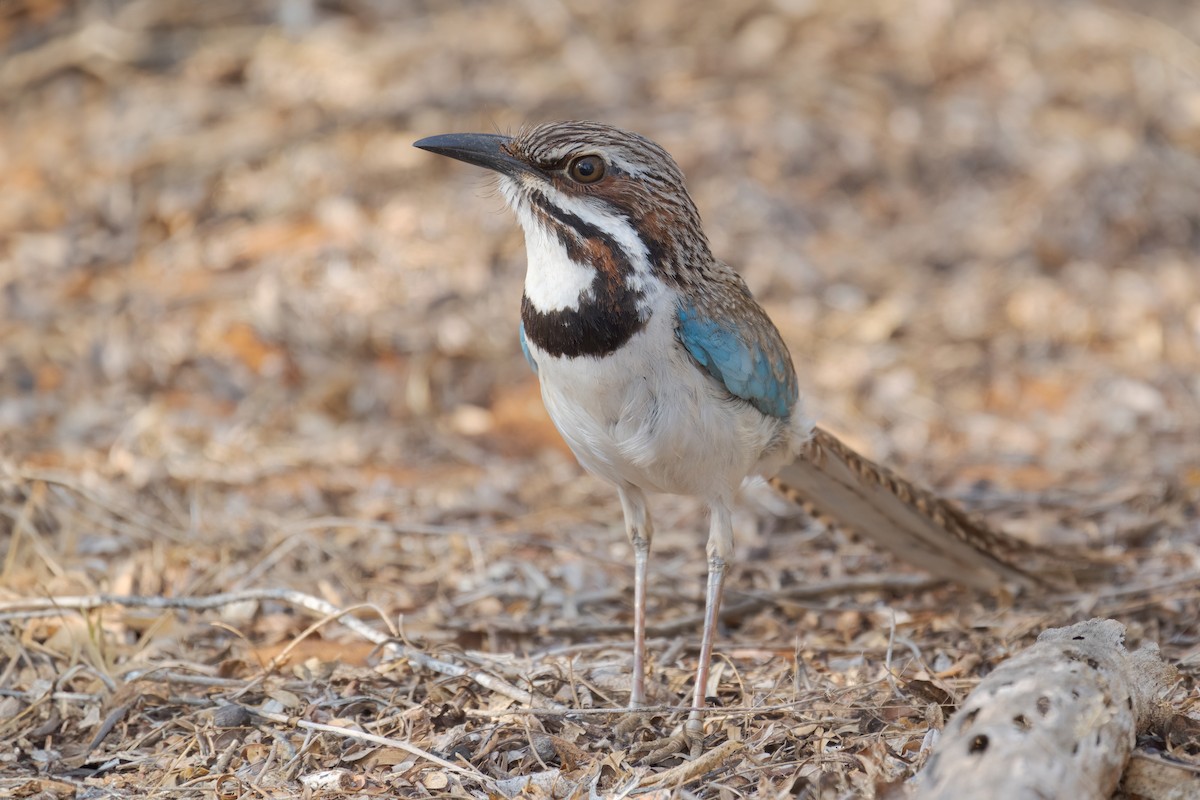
point(525, 350)
point(750, 360)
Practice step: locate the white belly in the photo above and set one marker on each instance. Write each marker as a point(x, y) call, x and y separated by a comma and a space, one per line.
point(648, 416)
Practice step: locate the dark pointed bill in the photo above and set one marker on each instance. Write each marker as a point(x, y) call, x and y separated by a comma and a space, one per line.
point(481, 149)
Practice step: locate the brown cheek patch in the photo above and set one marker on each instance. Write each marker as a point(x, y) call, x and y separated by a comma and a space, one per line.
point(600, 256)
point(648, 218)
point(655, 230)
point(655, 225)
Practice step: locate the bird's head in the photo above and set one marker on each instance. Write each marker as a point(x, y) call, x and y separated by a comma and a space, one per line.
point(588, 175)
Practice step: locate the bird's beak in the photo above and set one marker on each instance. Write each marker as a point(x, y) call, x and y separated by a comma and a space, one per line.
point(487, 150)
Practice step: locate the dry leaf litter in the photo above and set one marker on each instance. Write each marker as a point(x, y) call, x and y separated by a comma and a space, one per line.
point(255, 345)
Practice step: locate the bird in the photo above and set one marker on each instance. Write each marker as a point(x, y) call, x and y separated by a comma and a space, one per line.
point(663, 374)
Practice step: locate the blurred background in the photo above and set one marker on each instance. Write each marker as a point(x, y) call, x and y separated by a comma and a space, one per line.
point(229, 282)
point(235, 302)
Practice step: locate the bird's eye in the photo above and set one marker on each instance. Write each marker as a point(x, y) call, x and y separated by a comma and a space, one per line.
point(586, 169)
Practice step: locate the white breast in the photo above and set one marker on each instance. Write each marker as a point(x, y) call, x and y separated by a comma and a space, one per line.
point(648, 416)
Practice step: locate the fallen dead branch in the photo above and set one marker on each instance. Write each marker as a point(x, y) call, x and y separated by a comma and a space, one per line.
point(16, 609)
point(387, 741)
point(1057, 720)
point(690, 770)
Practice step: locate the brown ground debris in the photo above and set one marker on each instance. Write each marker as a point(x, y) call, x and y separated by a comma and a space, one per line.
point(252, 342)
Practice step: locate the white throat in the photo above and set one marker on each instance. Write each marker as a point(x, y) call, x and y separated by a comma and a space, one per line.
point(553, 281)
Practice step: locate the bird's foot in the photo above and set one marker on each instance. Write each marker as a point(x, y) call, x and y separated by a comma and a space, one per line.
point(659, 750)
point(642, 733)
point(634, 724)
point(684, 742)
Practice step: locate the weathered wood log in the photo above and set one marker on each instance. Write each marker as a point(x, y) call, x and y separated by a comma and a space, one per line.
point(1059, 720)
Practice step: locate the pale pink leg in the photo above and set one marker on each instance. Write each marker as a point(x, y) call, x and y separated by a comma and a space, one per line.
point(637, 696)
point(720, 548)
point(640, 530)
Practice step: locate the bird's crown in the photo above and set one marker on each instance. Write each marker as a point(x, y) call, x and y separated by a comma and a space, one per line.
point(592, 154)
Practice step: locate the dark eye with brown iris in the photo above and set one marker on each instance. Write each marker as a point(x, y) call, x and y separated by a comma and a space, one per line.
point(586, 169)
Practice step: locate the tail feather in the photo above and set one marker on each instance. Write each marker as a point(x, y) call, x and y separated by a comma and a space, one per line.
point(914, 523)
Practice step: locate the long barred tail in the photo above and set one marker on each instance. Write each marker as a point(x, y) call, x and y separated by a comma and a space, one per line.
point(924, 529)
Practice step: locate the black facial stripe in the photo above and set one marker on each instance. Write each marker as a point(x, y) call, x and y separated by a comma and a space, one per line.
point(584, 230)
point(607, 316)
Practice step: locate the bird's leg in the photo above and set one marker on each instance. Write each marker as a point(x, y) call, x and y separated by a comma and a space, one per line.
point(640, 530)
point(720, 549)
